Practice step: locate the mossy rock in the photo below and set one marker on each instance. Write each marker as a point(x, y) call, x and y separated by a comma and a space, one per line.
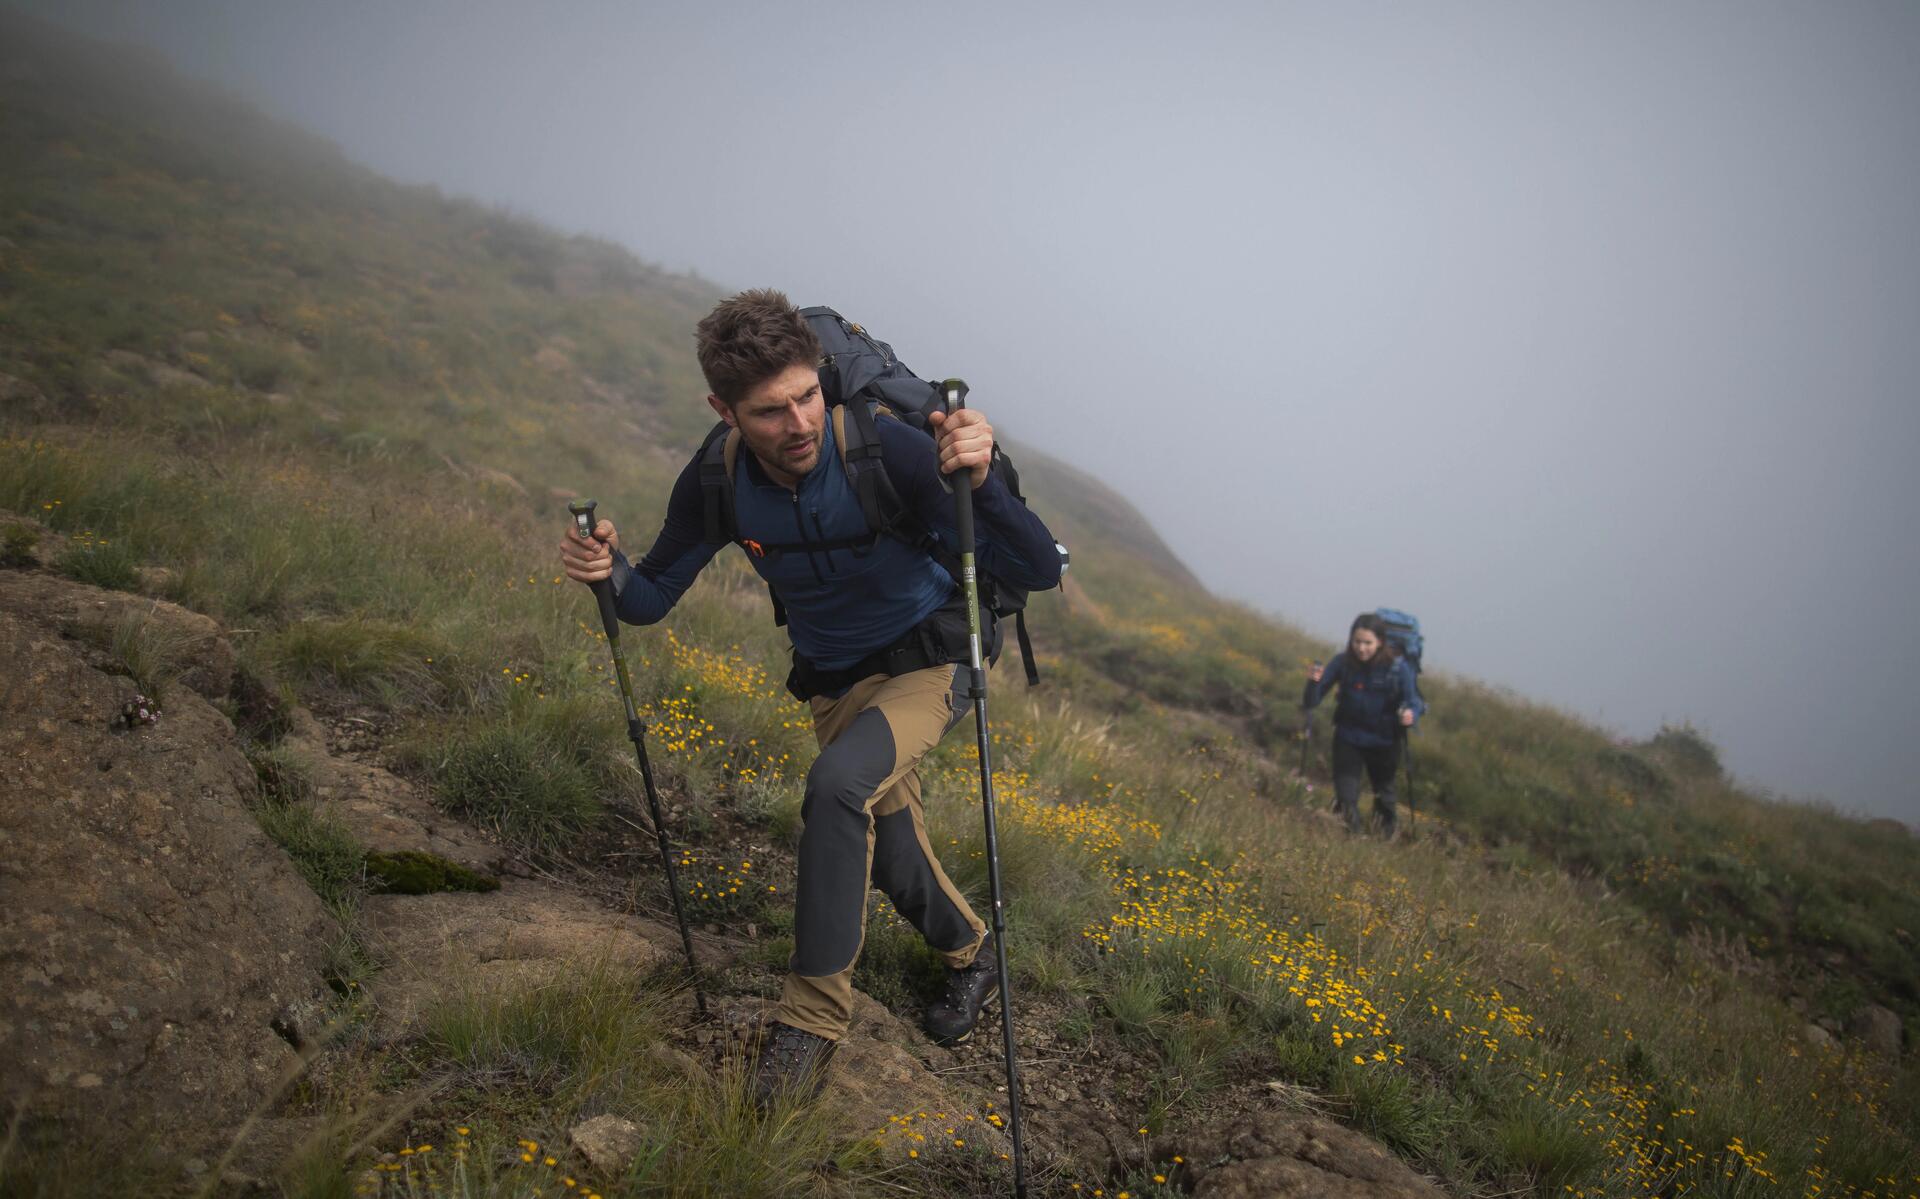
point(410, 872)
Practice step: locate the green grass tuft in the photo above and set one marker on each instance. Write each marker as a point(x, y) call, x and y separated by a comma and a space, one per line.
point(322, 850)
point(518, 779)
point(382, 662)
point(103, 564)
point(17, 544)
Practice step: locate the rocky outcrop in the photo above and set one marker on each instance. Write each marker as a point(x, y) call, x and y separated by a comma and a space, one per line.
point(515, 938)
point(1877, 1029)
point(1283, 1154)
point(609, 1143)
point(152, 931)
point(194, 647)
point(878, 1074)
point(383, 811)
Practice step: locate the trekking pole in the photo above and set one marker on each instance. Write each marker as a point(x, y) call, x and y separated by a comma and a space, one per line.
point(954, 395)
point(582, 511)
point(1406, 753)
point(1306, 734)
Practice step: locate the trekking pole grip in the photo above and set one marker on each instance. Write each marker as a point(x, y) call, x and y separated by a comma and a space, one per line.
point(584, 524)
point(953, 397)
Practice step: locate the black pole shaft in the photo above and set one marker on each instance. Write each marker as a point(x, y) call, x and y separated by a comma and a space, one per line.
point(962, 481)
point(1413, 808)
point(637, 733)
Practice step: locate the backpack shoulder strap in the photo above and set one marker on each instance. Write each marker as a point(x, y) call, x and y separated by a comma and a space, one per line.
point(718, 456)
point(857, 439)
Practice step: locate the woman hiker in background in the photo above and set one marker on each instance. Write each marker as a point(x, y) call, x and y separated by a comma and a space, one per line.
point(1378, 699)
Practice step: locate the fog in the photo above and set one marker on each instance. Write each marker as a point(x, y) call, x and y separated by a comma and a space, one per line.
point(1591, 334)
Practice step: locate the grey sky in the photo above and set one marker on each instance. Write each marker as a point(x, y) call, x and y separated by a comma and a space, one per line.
point(1590, 333)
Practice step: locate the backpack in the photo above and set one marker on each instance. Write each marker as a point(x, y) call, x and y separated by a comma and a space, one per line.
point(863, 383)
point(1403, 631)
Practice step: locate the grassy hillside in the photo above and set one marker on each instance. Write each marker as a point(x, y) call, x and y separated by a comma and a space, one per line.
point(343, 414)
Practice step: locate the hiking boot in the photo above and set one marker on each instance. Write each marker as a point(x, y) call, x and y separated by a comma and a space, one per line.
point(950, 1020)
point(792, 1062)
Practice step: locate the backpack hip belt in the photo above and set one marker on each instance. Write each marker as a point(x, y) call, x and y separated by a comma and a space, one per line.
point(936, 641)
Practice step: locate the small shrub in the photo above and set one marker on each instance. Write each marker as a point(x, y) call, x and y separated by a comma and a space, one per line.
point(1552, 1151)
point(105, 564)
point(149, 653)
point(17, 545)
point(1395, 1107)
point(586, 1023)
point(322, 850)
point(516, 780)
point(1076, 1027)
point(262, 710)
point(1137, 1002)
point(285, 777)
point(1300, 1057)
point(1687, 750)
point(375, 660)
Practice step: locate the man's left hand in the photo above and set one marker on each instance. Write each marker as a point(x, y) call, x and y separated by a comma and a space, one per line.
point(1406, 717)
point(963, 439)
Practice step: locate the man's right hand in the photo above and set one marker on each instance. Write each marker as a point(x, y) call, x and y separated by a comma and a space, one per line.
point(589, 561)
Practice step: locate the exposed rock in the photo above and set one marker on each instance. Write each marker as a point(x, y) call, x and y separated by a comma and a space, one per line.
point(499, 478)
point(1292, 1155)
point(154, 580)
point(672, 1060)
point(126, 362)
point(552, 358)
point(515, 937)
point(606, 393)
point(1818, 1037)
point(383, 811)
point(878, 1074)
point(1877, 1029)
point(609, 1143)
point(18, 391)
point(152, 931)
point(194, 643)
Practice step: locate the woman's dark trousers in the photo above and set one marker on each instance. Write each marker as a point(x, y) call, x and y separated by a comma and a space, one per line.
point(1380, 766)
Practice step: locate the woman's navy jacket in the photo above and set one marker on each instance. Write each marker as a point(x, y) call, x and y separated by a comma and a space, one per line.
point(1371, 696)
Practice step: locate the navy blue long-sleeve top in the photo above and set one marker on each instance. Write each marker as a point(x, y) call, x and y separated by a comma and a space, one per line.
point(842, 604)
point(1371, 696)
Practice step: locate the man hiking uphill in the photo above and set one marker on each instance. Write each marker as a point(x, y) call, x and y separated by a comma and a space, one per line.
point(877, 625)
point(1378, 698)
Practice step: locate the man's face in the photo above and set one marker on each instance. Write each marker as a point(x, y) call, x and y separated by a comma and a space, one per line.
point(783, 420)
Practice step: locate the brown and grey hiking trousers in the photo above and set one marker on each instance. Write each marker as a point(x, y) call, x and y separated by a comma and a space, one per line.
point(865, 827)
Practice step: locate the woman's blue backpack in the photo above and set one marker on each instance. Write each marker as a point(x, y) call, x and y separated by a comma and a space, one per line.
point(1403, 631)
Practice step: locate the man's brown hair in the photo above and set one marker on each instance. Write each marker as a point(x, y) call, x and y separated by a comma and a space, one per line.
point(749, 338)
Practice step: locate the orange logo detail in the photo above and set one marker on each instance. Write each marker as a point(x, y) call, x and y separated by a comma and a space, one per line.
point(754, 548)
